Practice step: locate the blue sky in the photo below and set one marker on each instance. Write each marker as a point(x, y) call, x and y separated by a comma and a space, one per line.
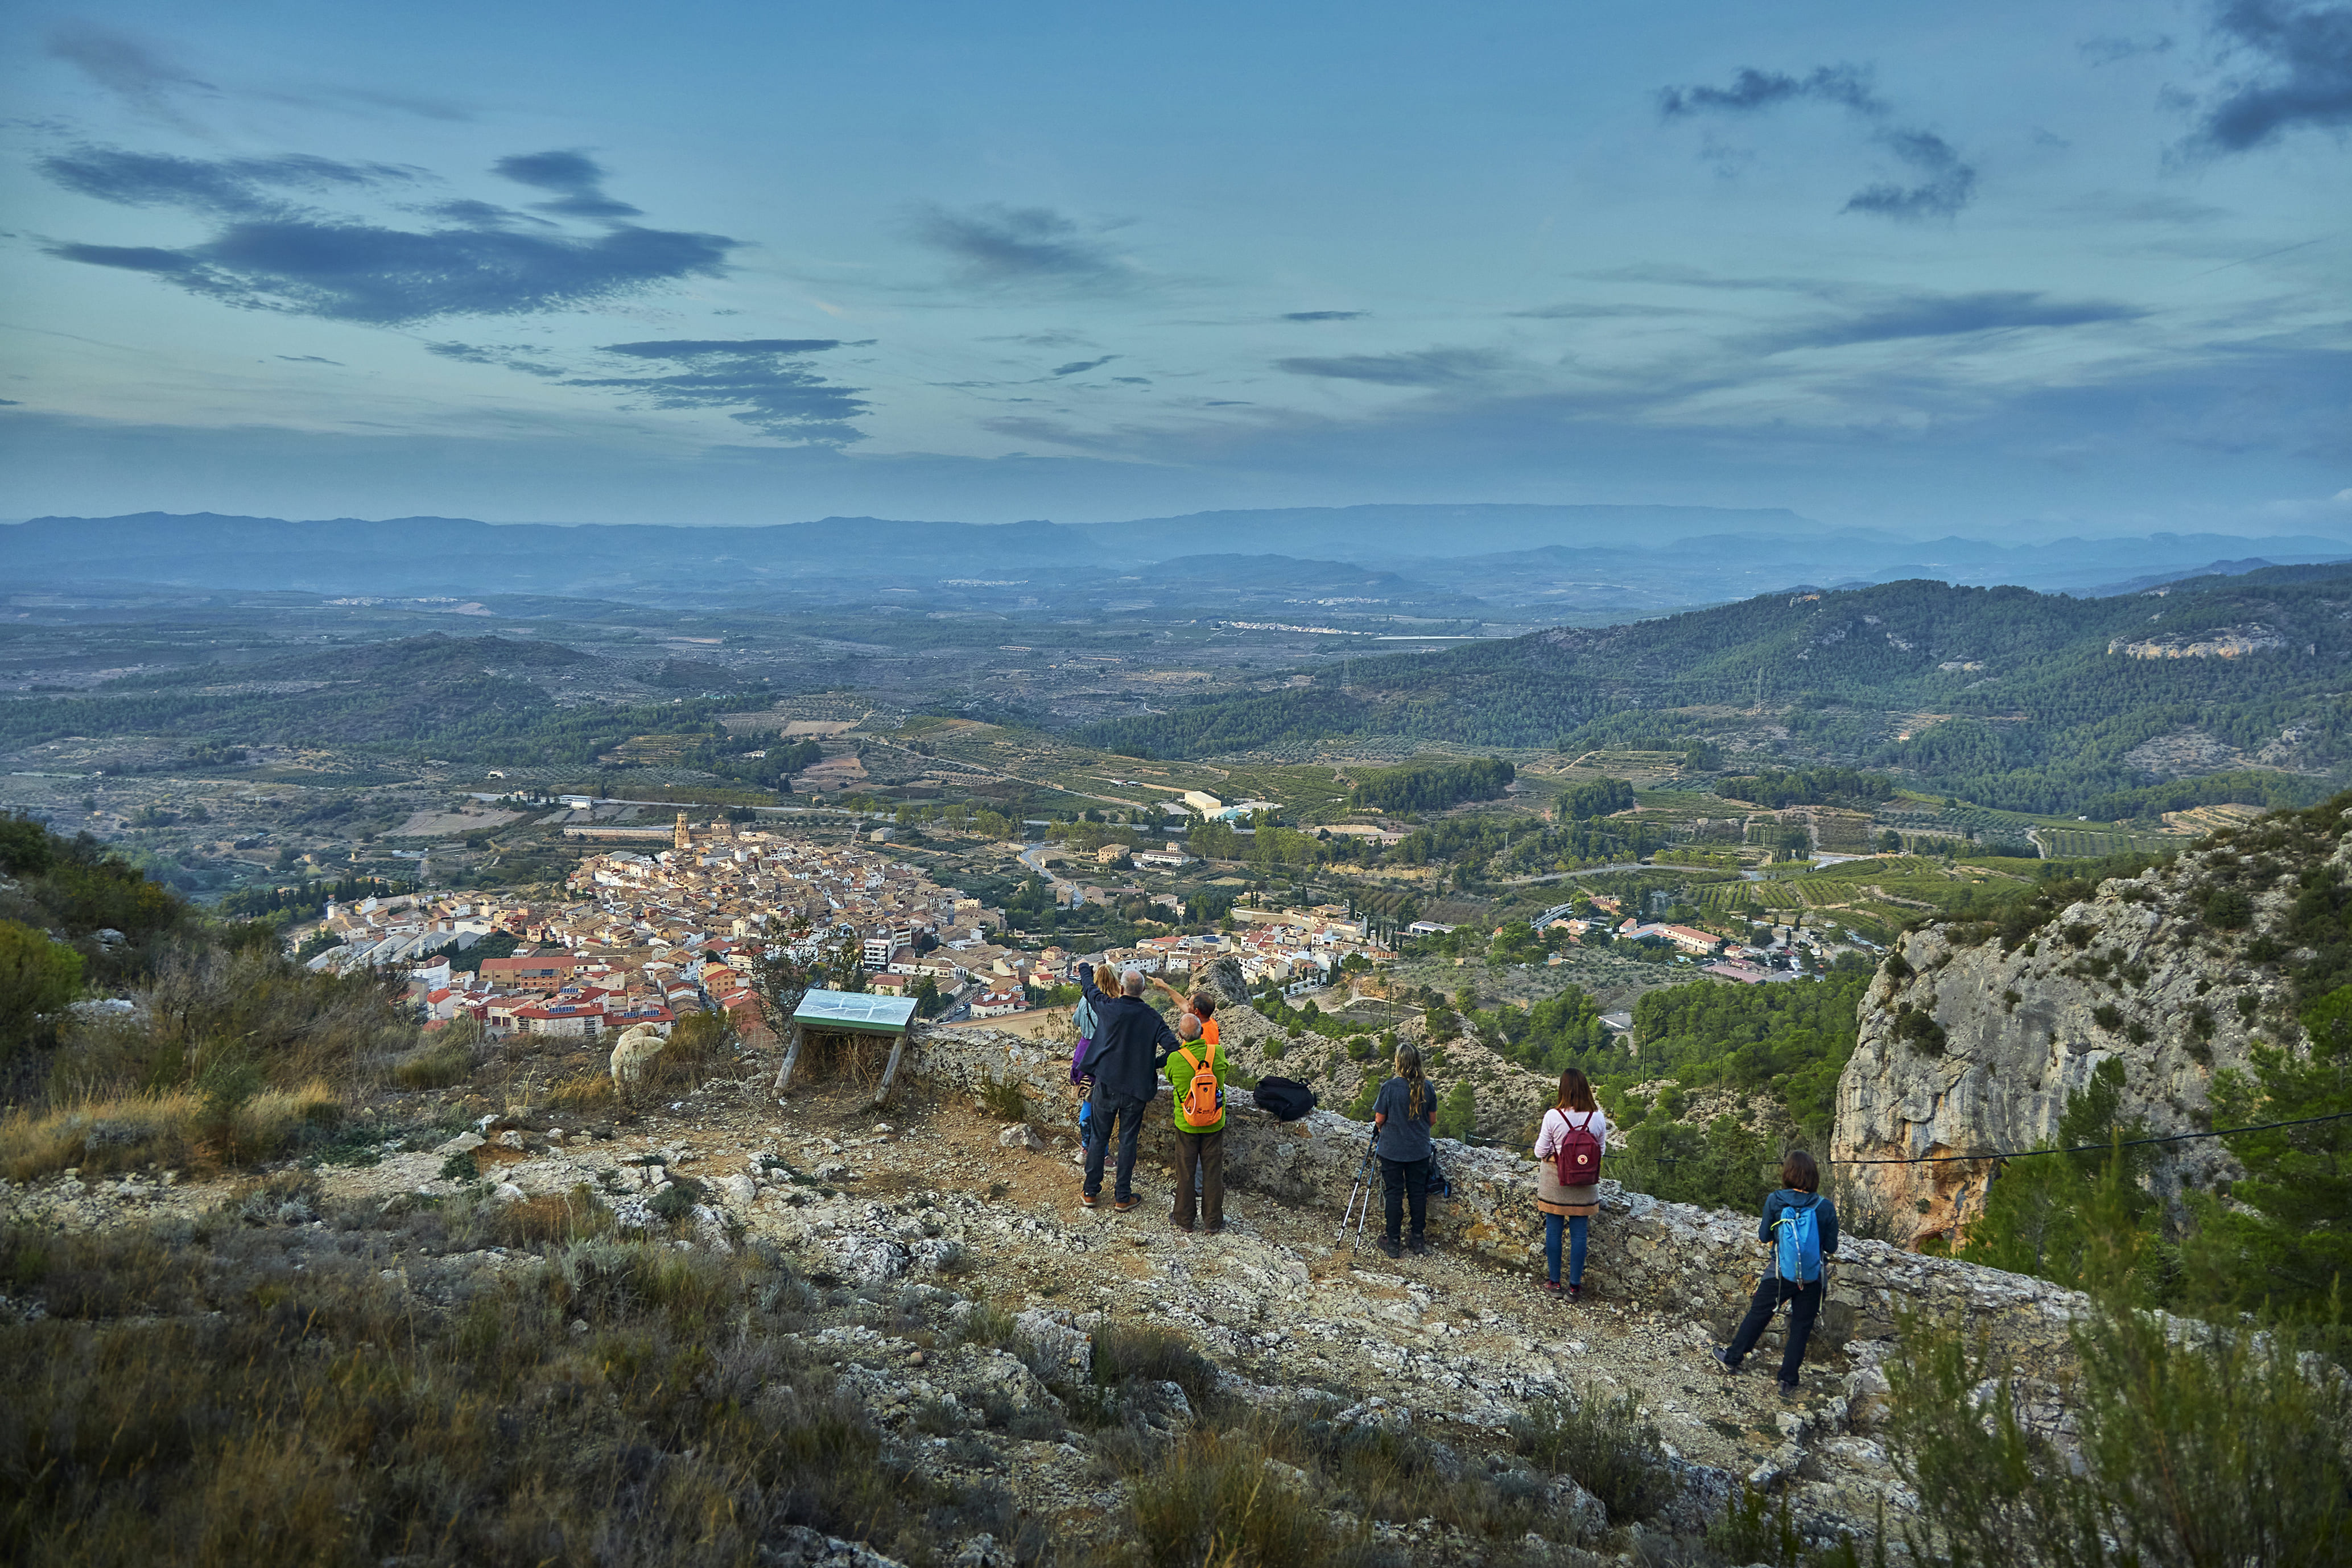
point(1995, 269)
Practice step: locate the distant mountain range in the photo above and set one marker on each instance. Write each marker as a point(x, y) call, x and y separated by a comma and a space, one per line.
point(2210, 688)
point(1575, 561)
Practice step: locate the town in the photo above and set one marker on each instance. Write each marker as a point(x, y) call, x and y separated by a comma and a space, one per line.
point(652, 937)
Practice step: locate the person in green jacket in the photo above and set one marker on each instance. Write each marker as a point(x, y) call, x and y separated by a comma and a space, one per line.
point(1199, 1121)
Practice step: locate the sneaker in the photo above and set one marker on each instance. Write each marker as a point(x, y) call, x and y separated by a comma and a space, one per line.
point(1180, 1225)
point(1723, 1358)
point(1576, 1292)
point(1218, 1228)
point(1389, 1244)
point(1121, 1205)
point(1418, 1246)
point(1548, 1286)
point(1790, 1390)
point(1088, 1200)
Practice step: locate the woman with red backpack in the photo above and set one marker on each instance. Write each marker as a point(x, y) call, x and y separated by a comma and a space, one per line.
point(1569, 1147)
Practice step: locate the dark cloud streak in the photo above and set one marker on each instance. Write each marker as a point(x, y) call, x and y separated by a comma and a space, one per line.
point(577, 179)
point(1953, 315)
point(269, 254)
point(996, 244)
point(759, 380)
point(1421, 367)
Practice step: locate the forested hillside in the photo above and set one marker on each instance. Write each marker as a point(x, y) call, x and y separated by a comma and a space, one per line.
point(2012, 699)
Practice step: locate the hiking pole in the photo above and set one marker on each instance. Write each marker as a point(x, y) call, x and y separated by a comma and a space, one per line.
point(1362, 1187)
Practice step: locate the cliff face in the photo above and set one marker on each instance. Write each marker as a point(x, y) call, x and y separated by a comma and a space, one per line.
point(1969, 1044)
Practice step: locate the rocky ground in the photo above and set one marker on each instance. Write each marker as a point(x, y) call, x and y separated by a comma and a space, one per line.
point(941, 1212)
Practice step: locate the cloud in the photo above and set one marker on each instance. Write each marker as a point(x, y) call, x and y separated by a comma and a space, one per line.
point(1422, 367)
point(1953, 315)
point(578, 180)
point(222, 186)
point(1581, 312)
point(2304, 77)
point(1844, 85)
point(1134, 380)
point(1078, 365)
point(133, 69)
point(760, 380)
point(2110, 49)
point(1944, 183)
point(270, 254)
point(1325, 315)
point(998, 244)
point(506, 356)
point(310, 359)
point(1943, 191)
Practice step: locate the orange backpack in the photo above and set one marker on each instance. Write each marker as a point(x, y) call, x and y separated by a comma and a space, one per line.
point(1203, 1101)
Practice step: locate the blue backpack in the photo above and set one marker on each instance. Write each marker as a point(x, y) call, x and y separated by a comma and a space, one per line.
point(1797, 1239)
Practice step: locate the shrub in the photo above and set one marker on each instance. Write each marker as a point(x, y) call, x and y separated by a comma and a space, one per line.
point(1002, 1098)
point(37, 978)
point(2229, 908)
point(2107, 1016)
point(2216, 1446)
point(1612, 1450)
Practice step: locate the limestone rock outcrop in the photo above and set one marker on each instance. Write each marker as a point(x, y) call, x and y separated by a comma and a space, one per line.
point(633, 1052)
point(1968, 1045)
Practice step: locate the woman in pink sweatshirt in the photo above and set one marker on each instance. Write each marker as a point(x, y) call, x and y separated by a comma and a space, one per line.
point(1574, 1133)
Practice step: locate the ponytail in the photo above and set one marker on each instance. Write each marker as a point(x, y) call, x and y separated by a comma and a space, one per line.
point(1408, 1067)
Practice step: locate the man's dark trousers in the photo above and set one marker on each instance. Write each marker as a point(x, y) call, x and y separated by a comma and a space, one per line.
point(1128, 1114)
point(1201, 1154)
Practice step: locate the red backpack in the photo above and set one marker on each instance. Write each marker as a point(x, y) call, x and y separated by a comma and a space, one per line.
point(1577, 1160)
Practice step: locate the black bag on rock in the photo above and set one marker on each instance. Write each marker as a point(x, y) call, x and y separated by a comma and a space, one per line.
point(1287, 1098)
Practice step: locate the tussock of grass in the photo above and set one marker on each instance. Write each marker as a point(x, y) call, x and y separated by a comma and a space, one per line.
point(1216, 1500)
point(1001, 1098)
point(440, 1065)
point(1612, 1450)
point(584, 1091)
point(1128, 1353)
point(172, 1129)
point(207, 1402)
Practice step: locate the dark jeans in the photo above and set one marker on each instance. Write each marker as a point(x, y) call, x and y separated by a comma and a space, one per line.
point(1200, 1155)
point(1575, 1227)
point(1403, 1179)
point(1804, 1305)
point(1128, 1115)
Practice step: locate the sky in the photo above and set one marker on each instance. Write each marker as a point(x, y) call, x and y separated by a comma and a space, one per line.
point(1999, 269)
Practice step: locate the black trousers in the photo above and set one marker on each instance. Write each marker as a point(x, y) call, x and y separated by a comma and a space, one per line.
point(1406, 1179)
point(1128, 1115)
point(1804, 1306)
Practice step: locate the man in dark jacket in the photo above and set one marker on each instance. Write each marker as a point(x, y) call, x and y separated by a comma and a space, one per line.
point(1131, 1039)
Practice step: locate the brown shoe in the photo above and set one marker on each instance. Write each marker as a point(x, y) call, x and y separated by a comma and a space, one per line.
point(1087, 1200)
point(1180, 1225)
point(1122, 1204)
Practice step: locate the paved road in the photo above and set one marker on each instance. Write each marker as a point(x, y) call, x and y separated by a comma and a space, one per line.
point(1588, 871)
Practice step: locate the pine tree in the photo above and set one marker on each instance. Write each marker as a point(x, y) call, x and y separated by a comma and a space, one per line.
point(2285, 1232)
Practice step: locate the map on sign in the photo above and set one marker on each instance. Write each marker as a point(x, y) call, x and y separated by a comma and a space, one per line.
point(856, 1010)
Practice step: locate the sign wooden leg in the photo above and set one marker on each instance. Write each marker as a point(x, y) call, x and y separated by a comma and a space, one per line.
point(791, 1060)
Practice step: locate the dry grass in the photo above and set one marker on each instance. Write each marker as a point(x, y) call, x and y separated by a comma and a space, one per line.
point(439, 1065)
point(1217, 1501)
point(178, 1128)
point(584, 1091)
point(264, 1395)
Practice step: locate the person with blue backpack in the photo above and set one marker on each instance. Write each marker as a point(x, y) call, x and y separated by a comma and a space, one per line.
point(1800, 1226)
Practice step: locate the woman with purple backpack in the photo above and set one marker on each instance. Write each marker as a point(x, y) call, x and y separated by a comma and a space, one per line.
point(1569, 1147)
